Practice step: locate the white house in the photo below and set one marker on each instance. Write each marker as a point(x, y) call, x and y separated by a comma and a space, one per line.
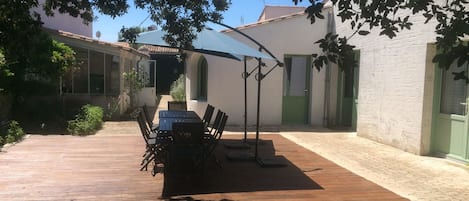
point(98, 79)
point(292, 94)
point(404, 99)
point(396, 96)
point(64, 22)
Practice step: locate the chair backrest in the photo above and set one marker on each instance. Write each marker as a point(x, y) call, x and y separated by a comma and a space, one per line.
point(217, 136)
point(143, 127)
point(187, 133)
point(221, 127)
point(147, 116)
point(216, 122)
point(208, 115)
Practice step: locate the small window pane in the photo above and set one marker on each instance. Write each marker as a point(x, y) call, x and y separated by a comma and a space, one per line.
point(297, 76)
point(96, 72)
point(202, 71)
point(453, 92)
point(80, 74)
point(151, 75)
point(112, 74)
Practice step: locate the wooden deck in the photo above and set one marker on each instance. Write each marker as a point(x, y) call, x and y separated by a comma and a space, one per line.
point(106, 168)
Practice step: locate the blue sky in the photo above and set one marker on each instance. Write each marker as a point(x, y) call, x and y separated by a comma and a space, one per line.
point(249, 10)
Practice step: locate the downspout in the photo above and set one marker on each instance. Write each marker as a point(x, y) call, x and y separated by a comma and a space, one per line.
point(327, 92)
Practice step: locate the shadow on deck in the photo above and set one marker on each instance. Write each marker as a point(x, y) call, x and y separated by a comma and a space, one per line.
point(241, 176)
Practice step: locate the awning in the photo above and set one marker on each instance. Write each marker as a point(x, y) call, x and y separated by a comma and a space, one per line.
point(208, 41)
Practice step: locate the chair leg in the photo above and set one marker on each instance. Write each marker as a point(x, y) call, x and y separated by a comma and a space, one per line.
point(145, 165)
point(147, 156)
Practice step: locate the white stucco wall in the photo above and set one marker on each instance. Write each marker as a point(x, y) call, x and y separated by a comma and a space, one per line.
point(391, 85)
point(64, 22)
point(295, 36)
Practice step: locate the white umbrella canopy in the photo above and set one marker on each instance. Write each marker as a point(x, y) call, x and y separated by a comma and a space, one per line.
point(208, 41)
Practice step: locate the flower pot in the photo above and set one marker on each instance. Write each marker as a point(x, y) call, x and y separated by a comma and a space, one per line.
point(177, 105)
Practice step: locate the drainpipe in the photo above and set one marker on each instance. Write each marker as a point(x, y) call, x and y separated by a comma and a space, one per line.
point(327, 91)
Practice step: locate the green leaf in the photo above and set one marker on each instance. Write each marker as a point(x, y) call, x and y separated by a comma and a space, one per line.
point(363, 33)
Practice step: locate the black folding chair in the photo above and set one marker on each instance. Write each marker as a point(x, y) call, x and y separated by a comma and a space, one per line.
point(210, 132)
point(211, 143)
point(155, 145)
point(149, 119)
point(208, 115)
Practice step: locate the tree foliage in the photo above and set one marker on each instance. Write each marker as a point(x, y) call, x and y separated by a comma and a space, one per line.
point(130, 34)
point(182, 19)
point(392, 17)
point(26, 51)
point(21, 43)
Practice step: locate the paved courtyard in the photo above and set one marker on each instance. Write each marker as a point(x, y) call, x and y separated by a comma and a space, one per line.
point(411, 176)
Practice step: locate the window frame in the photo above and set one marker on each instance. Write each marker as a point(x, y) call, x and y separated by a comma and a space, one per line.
point(202, 79)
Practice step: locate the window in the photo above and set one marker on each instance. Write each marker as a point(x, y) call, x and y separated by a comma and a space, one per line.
point(112, 74)
point(453, 92)
point(295, 82)
point(96, 72)
point(151, 76)
point(144, 72)
point(80, 74)
point(202, 79)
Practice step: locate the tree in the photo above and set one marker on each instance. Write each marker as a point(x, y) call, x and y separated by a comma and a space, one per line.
point(452, 17)
point(19, 28)
point(129, 35)
point(26, 49)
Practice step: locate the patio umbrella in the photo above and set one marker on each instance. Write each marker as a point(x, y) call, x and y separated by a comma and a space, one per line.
point(208, 41)
point(215, 43)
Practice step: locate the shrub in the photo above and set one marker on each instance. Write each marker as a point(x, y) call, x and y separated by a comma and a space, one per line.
point(178, 92)
point(15, 130)
point(13, 134)
point(87, 121)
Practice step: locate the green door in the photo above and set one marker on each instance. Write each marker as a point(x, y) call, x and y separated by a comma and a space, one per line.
point(296, 86)
point(450, 125)
point(348, 95)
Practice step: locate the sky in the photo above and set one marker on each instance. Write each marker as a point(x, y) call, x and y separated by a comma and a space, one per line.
point(247, 10)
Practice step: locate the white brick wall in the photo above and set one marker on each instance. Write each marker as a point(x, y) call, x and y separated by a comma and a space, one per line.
point(392, 81)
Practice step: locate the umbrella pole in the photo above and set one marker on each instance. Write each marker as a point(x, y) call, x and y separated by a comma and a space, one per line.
point(245, 101)
point(259, 79)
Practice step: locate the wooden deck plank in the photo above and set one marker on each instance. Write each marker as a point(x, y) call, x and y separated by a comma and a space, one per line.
point(106, 168)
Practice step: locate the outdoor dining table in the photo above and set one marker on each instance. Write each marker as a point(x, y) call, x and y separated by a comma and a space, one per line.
point(178, 114)
point(180, 155)
point(168, 117)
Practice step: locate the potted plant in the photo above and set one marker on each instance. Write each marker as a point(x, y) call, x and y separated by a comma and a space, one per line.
point(178, 93)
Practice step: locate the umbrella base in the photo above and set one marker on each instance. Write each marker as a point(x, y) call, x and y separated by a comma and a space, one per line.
point(240, 156)
point(237, 145)
point(271, 161)
point(253, 142)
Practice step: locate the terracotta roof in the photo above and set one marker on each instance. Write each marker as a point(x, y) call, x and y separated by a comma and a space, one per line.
point(151, 49)
point(327, 5)
point(275, 7)
point(266, 21)
point(125, 47)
